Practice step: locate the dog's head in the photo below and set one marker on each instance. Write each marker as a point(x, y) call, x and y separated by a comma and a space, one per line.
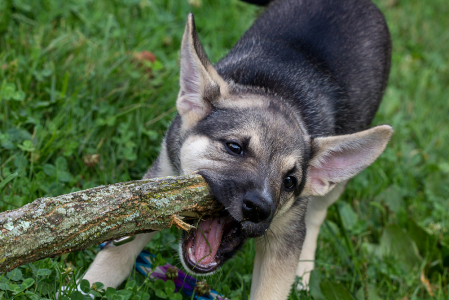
point(256, 155)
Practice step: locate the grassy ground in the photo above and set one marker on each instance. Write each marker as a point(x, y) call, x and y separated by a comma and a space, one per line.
point(70, 92)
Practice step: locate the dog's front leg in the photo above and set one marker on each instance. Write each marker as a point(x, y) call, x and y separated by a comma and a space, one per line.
point(277, 255)
point(113, 264)
point(315, 216)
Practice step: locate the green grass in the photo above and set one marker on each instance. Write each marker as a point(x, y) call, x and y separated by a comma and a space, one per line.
point(69, 89)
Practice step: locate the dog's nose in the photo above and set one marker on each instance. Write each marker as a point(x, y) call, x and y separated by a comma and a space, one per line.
point(255, 208)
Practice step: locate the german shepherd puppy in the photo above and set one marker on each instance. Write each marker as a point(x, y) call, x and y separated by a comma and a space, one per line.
point(277, 128)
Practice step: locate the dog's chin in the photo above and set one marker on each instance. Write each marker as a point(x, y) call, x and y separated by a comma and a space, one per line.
point(211, 244)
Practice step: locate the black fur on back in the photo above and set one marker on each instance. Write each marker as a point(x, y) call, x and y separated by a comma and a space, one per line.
point(329, 58)
point(258, 2)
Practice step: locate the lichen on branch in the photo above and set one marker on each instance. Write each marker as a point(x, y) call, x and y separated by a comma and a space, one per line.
point(52, 226)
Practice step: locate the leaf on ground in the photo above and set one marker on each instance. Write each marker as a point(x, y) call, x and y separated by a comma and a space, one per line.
point(124, 294)
point(7, 90)
point(161, 294)
point(444, 166)
point(61, 163)
point(14, 275)
point(395, 241)
point(335, 291)
point(27, 283)
point(372, 293)
point(420, 236)
point(43, 272)
point(18, 95)
point(372, 249)
point(85, 286)
point(169, 287)
point(314, 285)
point(64, 176)
point(27, 146)
point(76, 295)
point(49, 170)
point(392, 197)
point(131, 285)
point(111, 293)
point(97, 286)
point(176, 297)
point(14, 288)
point(143, 296)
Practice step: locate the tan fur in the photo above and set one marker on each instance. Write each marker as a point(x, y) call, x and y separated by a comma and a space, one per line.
point(194, 153)
point(289, 162)
point(165, 167)
point(244, 101)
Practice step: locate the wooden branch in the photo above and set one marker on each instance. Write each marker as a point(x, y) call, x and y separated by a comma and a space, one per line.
point(52, 226)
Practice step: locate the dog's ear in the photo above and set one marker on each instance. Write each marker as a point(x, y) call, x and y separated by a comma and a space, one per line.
point(338, 158)
point(201, 86)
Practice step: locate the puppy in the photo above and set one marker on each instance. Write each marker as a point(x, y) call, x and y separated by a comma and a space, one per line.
point(276, 128)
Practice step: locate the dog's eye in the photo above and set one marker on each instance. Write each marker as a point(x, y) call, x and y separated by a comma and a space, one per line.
point(290, 183)
point(234, 148)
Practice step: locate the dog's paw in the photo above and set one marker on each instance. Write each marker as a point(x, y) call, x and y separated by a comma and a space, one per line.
point(301, 286)
point(303, 281)
point(64, 292)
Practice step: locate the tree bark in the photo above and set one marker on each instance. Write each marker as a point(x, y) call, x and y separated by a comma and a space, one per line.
point(52, 226)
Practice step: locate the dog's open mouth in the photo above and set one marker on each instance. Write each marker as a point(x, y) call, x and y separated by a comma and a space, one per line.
point(214, 241)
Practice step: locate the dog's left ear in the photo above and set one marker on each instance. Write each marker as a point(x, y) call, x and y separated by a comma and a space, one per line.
point(338, 158)
point(201, 86)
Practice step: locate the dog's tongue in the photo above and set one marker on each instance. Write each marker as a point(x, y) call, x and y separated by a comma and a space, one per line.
point(207, 240)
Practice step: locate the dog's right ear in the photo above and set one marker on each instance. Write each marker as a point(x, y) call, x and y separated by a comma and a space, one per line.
point(201, 86)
